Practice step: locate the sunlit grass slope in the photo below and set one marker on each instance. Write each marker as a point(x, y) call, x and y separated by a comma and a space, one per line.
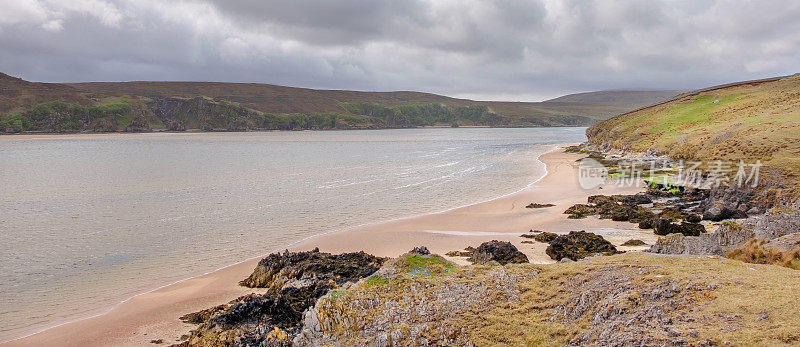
point(750, 121)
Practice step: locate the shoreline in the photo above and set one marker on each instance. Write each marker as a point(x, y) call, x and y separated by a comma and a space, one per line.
point(154, 314)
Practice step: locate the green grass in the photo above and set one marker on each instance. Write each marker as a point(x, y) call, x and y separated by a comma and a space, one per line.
point(374, 280)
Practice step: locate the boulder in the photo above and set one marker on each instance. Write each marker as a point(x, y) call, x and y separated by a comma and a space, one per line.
point(502, 252)
point(665, 227)
point(578, 245)
point(718, 212)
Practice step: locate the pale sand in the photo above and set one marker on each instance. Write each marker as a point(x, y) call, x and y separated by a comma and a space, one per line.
point(155, 315)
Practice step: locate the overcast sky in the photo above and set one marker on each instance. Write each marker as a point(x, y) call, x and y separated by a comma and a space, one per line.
point(511, 50)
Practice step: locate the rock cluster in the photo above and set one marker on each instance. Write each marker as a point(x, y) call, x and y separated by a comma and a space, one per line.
point(279, 270)
point(502, 252)
point(295, 281)
point(730, 235)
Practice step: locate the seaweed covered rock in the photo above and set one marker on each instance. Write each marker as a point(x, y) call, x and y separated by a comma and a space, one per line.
point(541, 236)
point(279, 270)
point(614, 207)
point(634, 242)
point(666, 227)
point(578, 245)
point(502, 252)
point(545, 237)
point(538, 205)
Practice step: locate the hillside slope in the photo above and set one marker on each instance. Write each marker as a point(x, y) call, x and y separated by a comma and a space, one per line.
point(632, 97)
point(280, 99)
point(750, 121)
point(16, 93)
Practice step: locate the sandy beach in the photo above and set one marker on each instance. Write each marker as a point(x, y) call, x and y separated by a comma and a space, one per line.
point(154, 315)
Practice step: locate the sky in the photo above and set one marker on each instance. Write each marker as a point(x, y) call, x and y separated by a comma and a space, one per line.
point(488, 50)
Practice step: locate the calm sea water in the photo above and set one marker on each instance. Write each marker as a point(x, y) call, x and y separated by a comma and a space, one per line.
point(86, 221)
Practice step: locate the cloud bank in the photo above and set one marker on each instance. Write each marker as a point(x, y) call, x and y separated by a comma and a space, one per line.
point(504, 49)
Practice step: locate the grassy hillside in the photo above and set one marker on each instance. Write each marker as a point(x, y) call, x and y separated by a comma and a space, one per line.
point(617, 300)
point(757, 120)
point(51, 107)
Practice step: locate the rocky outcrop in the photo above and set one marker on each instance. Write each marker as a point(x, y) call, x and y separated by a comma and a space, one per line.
point(578, 245)
point(729, 235)
point(622, 313)
point(411, 311)
point(501, 252)
point(295, 281)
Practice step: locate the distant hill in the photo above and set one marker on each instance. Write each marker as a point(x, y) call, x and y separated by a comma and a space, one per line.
point(630, 97)
point(146, 106)
point(16, 93)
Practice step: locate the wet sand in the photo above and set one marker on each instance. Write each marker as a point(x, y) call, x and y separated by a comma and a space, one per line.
point(154, 315)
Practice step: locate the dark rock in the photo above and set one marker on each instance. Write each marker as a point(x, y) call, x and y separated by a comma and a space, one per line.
point(717, 213)
point(537, 205)
point(545, 237)
point(615, 207)
point(637, 199)
point(666, 227)
point(578, 245)
point(421, 250)
point(500, 251)
point(255, 308)
point(646, 223)
point(634, 242)
point(694, 218)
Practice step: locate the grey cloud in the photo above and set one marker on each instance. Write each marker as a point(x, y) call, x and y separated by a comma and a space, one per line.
point(511, 49)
